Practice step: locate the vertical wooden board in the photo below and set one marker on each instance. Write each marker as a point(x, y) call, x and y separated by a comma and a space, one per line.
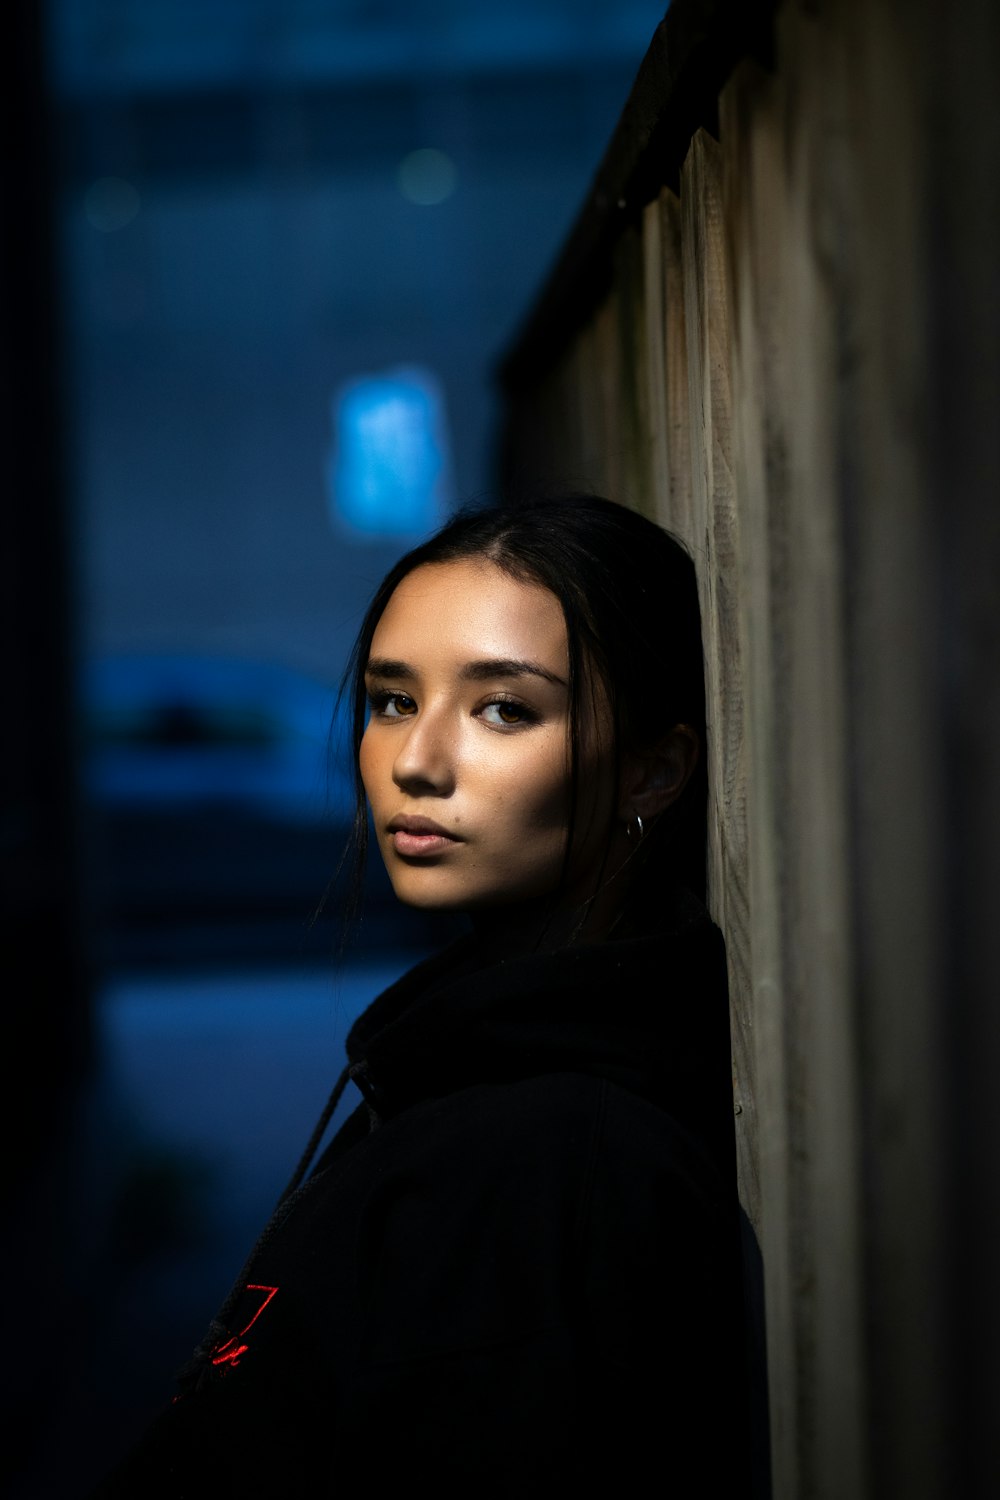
point(632, 419)
point(714, 544)
point(567, 451)
point(570, 453)
point(573, 456)
point(539, 430)
point(590, 408)
point(568, 410)
point(715, 518)
point(680, 511)
point(529, 427)
point(611, 377)
point(753, 194)
point(602, 378)
point(811, 380)
point(836, 523)
point(790, 296)
point(714, 532)
point(654, 372)
point(786, 402)
point(963, 150)
point(846, 391)
point(609, 383)
point(756, 191)
point(899, 685)
point(760, 466)
point(567, 455)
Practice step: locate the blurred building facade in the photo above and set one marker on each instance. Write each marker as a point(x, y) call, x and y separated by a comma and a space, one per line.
point(293, 241)
point(261, 204)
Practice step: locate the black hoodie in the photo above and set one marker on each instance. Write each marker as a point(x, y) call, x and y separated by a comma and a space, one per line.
point(514, 1270)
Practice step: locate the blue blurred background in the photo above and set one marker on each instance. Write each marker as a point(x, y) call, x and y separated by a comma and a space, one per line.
point(295, 238)
point(292, 241)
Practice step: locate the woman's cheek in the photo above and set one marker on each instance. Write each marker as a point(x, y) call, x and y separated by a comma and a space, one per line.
point(546, 789)
point(370, 767)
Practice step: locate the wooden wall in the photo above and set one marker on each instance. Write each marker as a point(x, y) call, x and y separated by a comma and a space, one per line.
point(776, 329)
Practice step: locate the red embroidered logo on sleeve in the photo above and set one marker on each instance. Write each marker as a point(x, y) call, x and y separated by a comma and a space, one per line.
point(228, 1355)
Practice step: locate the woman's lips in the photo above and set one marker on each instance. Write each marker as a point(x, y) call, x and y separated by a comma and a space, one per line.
point(419, 836)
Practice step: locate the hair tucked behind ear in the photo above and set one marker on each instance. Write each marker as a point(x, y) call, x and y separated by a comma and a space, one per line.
point(629, 597)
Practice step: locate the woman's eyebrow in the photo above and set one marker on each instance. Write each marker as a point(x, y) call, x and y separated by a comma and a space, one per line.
point(384, 666)
point(474, 671)
point(506, 666)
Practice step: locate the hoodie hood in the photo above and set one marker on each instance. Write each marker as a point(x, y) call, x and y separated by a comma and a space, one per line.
point(649, 1013)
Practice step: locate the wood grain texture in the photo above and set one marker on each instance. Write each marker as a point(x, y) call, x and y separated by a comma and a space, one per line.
point(714, 545)
point(787, 402)
point(654, 367)
point(690, 55)
point(675, 497)
point(752, 170)
point(799, 374)
point(632, 421)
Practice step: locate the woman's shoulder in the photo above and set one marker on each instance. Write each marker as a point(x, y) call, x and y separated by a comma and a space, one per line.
point(555, 1141)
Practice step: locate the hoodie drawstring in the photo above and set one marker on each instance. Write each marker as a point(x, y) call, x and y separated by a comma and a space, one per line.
point(191, 1375)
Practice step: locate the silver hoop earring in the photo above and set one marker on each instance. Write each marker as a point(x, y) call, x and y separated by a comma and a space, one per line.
point(634, 828)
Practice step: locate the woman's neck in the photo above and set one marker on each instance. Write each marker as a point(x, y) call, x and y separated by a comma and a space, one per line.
point(547, 925)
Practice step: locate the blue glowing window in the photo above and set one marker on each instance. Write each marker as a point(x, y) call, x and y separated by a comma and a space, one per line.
point(388, 469)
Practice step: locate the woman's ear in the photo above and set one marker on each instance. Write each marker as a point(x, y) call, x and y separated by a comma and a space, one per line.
point(654, 778)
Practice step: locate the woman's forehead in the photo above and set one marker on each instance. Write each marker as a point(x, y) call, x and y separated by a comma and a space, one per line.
point(471, 609)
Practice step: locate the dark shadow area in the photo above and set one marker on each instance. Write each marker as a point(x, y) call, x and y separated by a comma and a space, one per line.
point(757, 1383)
point(205, 1088)
point(255, 278)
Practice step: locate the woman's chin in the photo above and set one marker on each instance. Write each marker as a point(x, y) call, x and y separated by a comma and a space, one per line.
point(419, 901)
point(430, 895)
point(413, 888)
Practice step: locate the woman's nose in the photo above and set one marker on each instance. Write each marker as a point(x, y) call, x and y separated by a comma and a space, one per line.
point(425, 760)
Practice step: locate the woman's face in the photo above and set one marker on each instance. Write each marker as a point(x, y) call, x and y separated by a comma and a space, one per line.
point(465, 758)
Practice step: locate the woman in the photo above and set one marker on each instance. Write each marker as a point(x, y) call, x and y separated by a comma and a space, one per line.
point(514, 1269)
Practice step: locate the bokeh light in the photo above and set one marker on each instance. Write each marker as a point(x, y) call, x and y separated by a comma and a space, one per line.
point(427, 176)
point(110, 203)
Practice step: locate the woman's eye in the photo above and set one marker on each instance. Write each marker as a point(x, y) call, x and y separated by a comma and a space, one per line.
point(507, 713)
point(392, 705)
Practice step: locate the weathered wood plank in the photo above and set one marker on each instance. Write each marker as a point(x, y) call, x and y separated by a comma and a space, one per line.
point(630, 404)
point(691, 53)
point(675, 498)
point(881, 217)
point(714, 542)
point(752, 170)
point(817, 340)
point(787, 404)
point(961, 149)
point(654, 364)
